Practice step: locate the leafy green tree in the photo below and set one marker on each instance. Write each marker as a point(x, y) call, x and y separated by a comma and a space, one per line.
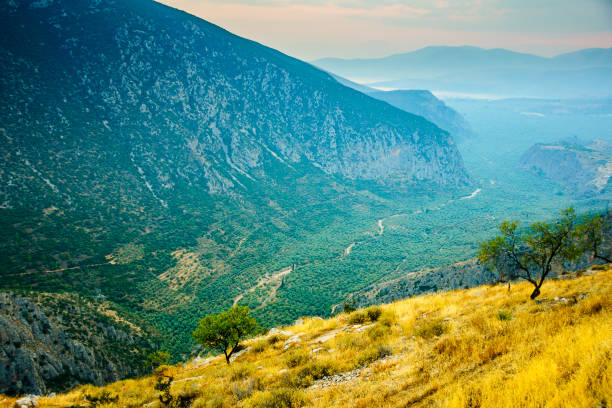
point(224, 331)
point(158, 358)
point(531, 252)
point(590, 236)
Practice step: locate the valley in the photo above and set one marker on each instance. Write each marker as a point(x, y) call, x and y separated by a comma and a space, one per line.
point(156, 168)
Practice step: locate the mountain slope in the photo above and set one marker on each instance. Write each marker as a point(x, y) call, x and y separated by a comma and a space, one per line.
point(485, 346)
point(422, 103)
point(172, 166)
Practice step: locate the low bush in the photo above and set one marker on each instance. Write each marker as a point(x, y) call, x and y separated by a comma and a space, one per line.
point(429, 330)
point(305, 376)
point(239, 372)
point(378, 331)
point(259, 346)
point(372, 354)
point(387, 318)
point(358, 317)
point(373, 313)
point(503, 315)
point(296, 358)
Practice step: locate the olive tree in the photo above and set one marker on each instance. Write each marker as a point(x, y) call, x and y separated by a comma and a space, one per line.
point(224, 331)
point(590, 236)
point(531, 252)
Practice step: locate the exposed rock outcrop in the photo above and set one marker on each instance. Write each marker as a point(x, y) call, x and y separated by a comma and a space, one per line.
point(584, 169)
point(52, 347)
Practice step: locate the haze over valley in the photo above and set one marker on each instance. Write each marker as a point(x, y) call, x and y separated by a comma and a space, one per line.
point(157, 168)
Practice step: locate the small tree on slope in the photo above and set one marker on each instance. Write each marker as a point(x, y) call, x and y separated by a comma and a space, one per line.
point(531, 252)
point(591, 236)
point(224, 331)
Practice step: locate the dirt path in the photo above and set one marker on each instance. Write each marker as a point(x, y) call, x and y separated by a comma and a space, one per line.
point(63, 269)
point(275, 280)
point(348, 249)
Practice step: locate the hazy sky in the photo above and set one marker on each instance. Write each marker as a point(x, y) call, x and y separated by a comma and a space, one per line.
point(310, 29)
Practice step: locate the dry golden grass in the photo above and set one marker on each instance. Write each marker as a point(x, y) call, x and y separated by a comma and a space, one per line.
point(482, 347)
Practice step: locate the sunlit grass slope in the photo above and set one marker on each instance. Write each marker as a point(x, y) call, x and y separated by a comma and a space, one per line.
point(482, 347)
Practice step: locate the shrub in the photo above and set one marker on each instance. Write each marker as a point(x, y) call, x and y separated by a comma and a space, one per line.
point(387, 318)
point(275, 338)
point(245, 389)
point(378, 331)
point(259, 346)
point(430, 329)
point(373, 313)
point(278, 398)
point(296, 358)
point(240, 372)
point(349, 307)
point(358, 317)
point(102, 398)
point(372, 354)
point(306, 375)
point(503, 315)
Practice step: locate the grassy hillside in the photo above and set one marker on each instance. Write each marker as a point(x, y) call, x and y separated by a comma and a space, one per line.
point(482, 347)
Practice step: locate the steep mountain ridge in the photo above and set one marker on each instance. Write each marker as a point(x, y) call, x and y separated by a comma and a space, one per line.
point(160, 160)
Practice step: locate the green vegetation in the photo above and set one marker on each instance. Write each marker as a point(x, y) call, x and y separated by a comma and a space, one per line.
point(158, 358)
point(224, 331)
point(531, 253)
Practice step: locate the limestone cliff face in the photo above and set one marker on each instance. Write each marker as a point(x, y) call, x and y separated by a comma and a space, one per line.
point(59, 344)
point(181, 101)
point(583, 169)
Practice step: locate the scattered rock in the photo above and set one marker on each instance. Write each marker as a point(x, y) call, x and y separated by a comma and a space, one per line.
point(30, 401)
point(239, 353)
point(202, 362)
point(327, 336)
point(291, 341)
point(367, 326)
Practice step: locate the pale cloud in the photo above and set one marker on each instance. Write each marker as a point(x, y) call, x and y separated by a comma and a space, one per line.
point(310, 29)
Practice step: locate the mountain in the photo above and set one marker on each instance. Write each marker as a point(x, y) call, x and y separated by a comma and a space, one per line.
point(175, 168)
point(583, 168)
point(53, 342)
point(446, 349)
point(425, 104)
point(495, 72)
point(422, 103)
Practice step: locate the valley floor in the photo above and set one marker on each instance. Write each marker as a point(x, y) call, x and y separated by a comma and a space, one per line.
point(488, 346)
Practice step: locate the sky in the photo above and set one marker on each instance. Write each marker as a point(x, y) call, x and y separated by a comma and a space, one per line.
point(311, 29)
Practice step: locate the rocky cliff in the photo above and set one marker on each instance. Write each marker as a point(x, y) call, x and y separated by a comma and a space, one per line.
point(181, 101)
point(53, 342)
point(584, 169)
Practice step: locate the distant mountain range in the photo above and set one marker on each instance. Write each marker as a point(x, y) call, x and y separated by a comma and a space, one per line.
point(499, 72)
